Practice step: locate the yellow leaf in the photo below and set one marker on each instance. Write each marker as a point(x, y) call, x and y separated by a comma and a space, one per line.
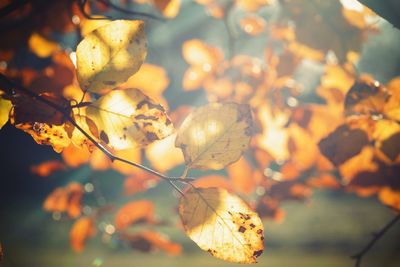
point(128, 118)
point(222, 224)
point(109, 55)
point(5, 107)
point(215, 135)
point(42, 47)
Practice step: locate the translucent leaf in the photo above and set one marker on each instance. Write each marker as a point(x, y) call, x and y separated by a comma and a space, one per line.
point(215, 135)
point(128, 118)
point(5, 107)
point(109, 55)
point(83, 229)
point(222, 224)
point(56, 136)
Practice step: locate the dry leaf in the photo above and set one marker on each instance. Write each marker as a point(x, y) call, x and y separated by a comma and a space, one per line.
point(109, 55)
point(222, 224)
point(215, 135)
point(128, 118)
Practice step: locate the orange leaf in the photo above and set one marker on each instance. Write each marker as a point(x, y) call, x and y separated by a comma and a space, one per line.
point(81, 231)
point(47, 168)
point(241, 176)
point(65, 199)
point(133, 212)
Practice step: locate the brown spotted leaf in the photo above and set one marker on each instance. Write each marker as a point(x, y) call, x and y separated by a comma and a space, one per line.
point(215, 135)
point(109, 55)
point(128, 118)
point(222, 224)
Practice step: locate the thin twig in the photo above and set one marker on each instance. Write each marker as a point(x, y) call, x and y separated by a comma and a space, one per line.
point(10, 86)
point(358, 256)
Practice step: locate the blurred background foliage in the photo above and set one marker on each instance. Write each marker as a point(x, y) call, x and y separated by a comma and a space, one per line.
point(323, 231)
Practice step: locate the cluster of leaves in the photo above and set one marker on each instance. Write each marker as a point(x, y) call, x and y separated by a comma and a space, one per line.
point(109, 109)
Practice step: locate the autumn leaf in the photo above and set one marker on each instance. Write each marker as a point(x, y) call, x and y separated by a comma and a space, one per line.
point(222, 224)
point(109, 55)
point(241, 176)
point(218, 181)
point(128, 118)
point(5, 108)
point(164, 149)
point(83, 229)
point(343, 144)
point(390, 197)
point(65, 199)
point(215, 135)
point(133, 212)
point(41, 46)
point(47, 168)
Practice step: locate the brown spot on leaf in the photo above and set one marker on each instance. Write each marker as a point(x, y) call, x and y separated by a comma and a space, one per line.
point(242, 229)
point(104, 137)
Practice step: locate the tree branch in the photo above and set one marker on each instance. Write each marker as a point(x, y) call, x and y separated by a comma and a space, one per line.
point(358, 256)
point(10, 86)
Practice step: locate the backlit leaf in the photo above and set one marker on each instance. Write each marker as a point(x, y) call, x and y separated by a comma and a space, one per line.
point(222, 224)
point(109, 55)
point(128, 118)
point(215, 135)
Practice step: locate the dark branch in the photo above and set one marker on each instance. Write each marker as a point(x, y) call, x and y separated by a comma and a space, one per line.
point(10, 86)
point(358, 256)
